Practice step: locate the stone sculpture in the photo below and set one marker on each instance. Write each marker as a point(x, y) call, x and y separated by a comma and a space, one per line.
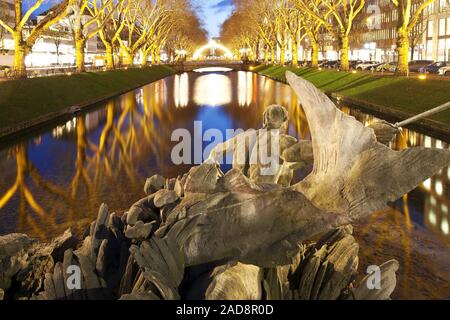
point(225, 236)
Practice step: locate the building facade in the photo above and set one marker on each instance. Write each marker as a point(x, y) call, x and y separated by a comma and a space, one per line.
point(436, 39)
point(6, 42)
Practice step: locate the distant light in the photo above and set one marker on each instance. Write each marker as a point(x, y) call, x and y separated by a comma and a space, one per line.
point(69, 73)
point(422, 77)
point(252, 68)
point(213, 69)
point(320, 68)
point(354, 71)
point(439, 187)
point(427, 184)
point(432, 201)
point(432, 217)
point(444, 226)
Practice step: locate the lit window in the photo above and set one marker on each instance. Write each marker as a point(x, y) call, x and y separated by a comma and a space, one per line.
point(444, 226)
point(430, 29)
point(442, 27)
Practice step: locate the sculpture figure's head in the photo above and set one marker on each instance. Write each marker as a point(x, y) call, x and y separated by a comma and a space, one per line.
point(275, 117)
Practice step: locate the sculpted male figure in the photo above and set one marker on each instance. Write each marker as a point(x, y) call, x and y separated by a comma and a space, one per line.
point(258, 154)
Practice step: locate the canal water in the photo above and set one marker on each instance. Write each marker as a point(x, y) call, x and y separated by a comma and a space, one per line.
point(57, 178)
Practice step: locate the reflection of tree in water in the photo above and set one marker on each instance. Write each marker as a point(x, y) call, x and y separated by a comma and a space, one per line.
point(22, 188)
point(127, 138)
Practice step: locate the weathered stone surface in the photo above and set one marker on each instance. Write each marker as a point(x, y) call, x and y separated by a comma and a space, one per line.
point(384, 131)
point(138, 213)
point(165, 197)
point(140, 296)
point(12, 247)
point(61, 243)
point(12, 243)
point(238, 282)
point(202, 179)
point(179, 187)
point(154, 183)
point(139, 230)
point(387, 285)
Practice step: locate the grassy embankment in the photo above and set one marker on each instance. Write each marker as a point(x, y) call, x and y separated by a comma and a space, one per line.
point(26, 99)
point(409, 95)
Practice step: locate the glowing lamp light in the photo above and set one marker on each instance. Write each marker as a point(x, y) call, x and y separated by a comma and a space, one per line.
point(210, 45)
point(252, 68)
point(69, 73)
point(422, 77)
point(354, 71)
point(320, 69)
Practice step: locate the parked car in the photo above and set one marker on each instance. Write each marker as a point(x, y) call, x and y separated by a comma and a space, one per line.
point(415, 65)
point(353, 63)
point(388, 66)
point(434, 67)
point(366, 65)
point(375, 66)
point(445, 71)
point(331, 64)
point(4, 71)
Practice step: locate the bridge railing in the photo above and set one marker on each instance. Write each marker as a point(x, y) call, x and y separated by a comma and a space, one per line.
point(212, 62)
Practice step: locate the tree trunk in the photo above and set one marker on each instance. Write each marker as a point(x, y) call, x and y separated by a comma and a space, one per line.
point(294, 53)
point(158, 56)
point(153, 57)
point(80, 44)
point(20, 52)
point(314, 54)
point(144, 58)
point(109, 56)
point(282, 54)
point(266, 55)
point(402, 50)
point(272, 53)
point(128, 58)
point(344, 53)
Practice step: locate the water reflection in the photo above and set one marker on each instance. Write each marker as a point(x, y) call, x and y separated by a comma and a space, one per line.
point(429, 203)
point(212, 90)
point(58, 179)
point(181, 90)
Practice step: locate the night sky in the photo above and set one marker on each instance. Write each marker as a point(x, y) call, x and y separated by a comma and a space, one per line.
point(212, 12)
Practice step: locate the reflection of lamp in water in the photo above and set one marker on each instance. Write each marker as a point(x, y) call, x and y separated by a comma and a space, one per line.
point(432, 217)
point(212, 90)
point(181, 90)
point(444, 226)
point(245, 88)
point(439, 187)
point(427, 184)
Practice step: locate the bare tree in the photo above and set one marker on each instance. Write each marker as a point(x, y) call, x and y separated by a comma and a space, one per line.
point(25, 36)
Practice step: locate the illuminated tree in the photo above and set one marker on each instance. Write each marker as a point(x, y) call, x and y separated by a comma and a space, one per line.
point(87, 19)
point(25, 36)
point(409, 15)
point(141, 20)
point(111, 20)
point(5, 16)
point(337, 17)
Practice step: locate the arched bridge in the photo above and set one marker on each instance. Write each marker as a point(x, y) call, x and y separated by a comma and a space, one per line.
point(194, 65)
